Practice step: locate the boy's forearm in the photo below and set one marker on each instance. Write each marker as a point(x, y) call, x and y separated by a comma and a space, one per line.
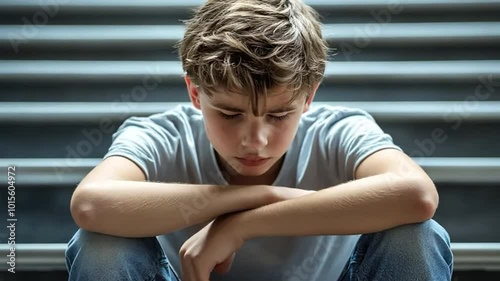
point(145, 209)
point(363, 206)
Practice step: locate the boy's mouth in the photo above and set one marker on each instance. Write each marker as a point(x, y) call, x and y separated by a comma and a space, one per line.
point(252, 158)
point(252, 161)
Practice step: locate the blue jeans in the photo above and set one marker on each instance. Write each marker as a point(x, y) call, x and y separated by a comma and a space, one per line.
point(411, 252)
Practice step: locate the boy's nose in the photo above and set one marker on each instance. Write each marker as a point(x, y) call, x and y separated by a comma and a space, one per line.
point(254, 136)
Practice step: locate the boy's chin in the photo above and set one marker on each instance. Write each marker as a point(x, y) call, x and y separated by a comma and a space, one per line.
point(249, 171)
point(246, 177)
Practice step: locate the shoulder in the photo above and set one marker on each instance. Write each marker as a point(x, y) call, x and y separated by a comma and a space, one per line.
point(177, 118)
point(324, 115)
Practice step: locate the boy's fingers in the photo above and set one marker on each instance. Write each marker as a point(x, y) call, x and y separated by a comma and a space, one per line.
point(224, 267)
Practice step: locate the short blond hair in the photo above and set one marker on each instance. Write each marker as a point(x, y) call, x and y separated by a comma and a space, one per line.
point(251, 46)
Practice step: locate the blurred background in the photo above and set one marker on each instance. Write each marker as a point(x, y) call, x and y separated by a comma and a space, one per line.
point(71, 71)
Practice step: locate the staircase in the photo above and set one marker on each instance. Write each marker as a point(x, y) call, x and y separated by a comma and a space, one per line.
point(72, 71)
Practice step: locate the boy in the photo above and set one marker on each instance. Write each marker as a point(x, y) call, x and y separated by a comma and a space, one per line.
point(251, 182)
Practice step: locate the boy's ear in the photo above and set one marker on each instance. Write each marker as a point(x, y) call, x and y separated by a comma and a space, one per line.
point(310, 98)
point(194, 95)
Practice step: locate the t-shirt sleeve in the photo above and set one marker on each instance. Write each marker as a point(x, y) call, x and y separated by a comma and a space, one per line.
point(146, 143)
point(351, 139)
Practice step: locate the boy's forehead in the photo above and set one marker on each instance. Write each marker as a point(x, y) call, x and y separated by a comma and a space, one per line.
point(274, 102)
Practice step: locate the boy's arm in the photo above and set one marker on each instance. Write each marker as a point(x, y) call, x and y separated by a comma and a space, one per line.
point(392, 190)
point(115, 199)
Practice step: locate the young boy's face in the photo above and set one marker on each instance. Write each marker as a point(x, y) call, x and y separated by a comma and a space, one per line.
point(250, 147)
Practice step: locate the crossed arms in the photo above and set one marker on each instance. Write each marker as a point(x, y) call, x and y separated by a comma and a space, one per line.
point(390, 190)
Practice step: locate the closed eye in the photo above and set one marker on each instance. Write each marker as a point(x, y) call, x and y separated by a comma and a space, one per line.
point(229, 116)
point(280, 117)
point(273, 117)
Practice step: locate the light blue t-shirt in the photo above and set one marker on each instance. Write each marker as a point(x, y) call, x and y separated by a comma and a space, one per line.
point(330, 143)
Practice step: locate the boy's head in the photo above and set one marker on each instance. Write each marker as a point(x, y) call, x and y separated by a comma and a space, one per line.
point(256, 56)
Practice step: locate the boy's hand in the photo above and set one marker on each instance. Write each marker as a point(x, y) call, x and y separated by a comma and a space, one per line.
point(210, 249)
point(213, 247)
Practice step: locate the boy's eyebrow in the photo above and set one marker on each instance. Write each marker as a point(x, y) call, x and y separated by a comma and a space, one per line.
point(279, 109)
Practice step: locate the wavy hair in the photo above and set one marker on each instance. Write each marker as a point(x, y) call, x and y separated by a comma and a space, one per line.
point(250, 46)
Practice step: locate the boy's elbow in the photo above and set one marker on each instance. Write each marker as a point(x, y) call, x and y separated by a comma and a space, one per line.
point(428, 200)
point(427, 210)
point(83, 209)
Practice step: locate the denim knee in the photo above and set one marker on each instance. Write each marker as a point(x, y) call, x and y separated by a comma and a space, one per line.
point(429, 228)
point(95, 256)
point(415, 240)
point(418, 235)
point(419, 251)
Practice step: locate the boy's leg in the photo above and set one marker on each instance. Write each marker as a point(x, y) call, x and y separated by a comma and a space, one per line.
point(94, 256)
point(416, 252)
